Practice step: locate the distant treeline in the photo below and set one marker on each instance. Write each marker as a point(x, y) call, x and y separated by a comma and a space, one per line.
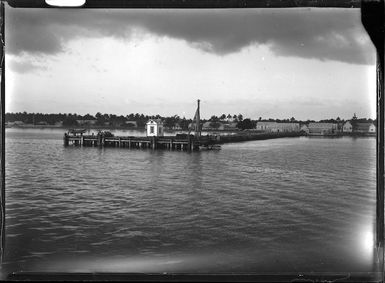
point(99, 119)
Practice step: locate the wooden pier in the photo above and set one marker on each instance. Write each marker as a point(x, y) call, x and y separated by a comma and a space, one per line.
point(178, 142)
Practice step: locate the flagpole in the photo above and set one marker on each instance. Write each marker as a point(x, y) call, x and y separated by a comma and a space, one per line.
point(197, 121)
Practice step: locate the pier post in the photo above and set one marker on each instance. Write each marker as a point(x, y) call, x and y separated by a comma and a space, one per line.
point(153, 143)
point(189, 143)
point(99, 140)
point(65, 139)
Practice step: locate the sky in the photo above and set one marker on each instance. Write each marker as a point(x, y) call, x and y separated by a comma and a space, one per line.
point(305, 63)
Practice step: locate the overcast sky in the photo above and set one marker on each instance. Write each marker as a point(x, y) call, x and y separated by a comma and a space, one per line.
point(306, 63)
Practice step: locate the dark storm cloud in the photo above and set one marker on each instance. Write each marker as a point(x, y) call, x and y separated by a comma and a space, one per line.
point(324, 34)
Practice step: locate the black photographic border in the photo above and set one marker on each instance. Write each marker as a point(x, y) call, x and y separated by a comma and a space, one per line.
point(372, 17)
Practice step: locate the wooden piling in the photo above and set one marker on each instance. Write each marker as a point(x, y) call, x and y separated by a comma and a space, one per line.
point(65, 139)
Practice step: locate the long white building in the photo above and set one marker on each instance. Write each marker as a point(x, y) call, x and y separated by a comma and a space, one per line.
point(275, 127)
point(322, 128)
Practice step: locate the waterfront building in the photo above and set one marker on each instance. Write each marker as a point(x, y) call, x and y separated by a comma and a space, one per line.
point(231, 126)
point(155, 128)
point(322, 128)
point(347, 127)
point(210, 126)
point(275, 127)
point(87, 122)
point(265, 126)
point(15, 123)
point(364, 127)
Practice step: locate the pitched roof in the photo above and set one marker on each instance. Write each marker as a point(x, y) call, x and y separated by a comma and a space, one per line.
point(322, 125)
point(266, 123)
point(158, 121)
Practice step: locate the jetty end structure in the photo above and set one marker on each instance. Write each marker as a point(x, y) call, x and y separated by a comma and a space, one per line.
point(155, 138)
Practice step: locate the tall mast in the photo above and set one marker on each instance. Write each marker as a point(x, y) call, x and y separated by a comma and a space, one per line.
point(197, 122)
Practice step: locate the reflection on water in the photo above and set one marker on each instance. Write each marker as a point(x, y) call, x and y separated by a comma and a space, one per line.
point(283, 205)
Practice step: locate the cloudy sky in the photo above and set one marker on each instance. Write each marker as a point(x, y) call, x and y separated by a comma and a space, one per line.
point(278, 63)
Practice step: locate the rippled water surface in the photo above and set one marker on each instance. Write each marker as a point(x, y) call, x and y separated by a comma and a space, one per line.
point(283, 205)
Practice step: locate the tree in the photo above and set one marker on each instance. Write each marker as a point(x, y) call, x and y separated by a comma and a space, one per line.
point(240, 117)
point(246, 124)
point(100, 119)
point(169, 122)
point(70, 122)
point(215, 124)
point(292, 119)
point(184, 123)
point(214, 118)
point(223, 117)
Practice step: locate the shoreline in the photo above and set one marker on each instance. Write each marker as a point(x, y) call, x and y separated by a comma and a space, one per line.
point(108, 128)
point(236, 131)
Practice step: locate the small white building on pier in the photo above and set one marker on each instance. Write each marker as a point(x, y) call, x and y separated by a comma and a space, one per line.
point(155, 128)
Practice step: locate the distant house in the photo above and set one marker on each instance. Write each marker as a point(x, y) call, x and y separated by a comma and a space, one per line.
point(322, 128)
point(15, 123)
point(277, 127)
point(133, 124)
point(230, 126)
point(364, 128)
point(207, 126)
point(155, 128)
point(86, 122)
point(347, 127)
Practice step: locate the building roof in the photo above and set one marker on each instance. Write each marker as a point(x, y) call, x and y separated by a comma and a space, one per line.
point(322, 125)
point(265, 123)
point(157, 121)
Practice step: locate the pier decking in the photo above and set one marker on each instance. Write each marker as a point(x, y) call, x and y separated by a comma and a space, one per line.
point(178, 142)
